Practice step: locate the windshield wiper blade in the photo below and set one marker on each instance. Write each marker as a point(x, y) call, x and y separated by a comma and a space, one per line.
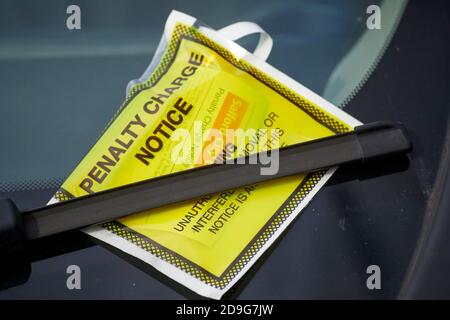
point(366, 143)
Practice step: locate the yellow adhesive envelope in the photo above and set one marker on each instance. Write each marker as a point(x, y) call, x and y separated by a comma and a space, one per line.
point(207, 243)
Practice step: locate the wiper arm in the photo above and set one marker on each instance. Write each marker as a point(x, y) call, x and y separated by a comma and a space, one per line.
point(366, 143)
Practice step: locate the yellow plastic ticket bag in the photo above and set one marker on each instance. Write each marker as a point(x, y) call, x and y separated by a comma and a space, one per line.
point(200, 75)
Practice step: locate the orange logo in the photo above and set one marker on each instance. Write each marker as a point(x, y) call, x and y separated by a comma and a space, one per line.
point(229, 117)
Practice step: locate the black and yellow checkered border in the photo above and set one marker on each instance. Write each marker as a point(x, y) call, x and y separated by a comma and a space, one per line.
point(282, 214)
point(306, 186)
point(183, 31)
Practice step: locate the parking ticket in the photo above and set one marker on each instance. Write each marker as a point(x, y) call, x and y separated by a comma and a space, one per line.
point(201, 81)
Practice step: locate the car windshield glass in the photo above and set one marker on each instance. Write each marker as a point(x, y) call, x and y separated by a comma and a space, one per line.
point(59, 87)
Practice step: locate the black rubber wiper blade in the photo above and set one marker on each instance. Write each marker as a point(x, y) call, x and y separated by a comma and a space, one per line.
point(367, 142)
